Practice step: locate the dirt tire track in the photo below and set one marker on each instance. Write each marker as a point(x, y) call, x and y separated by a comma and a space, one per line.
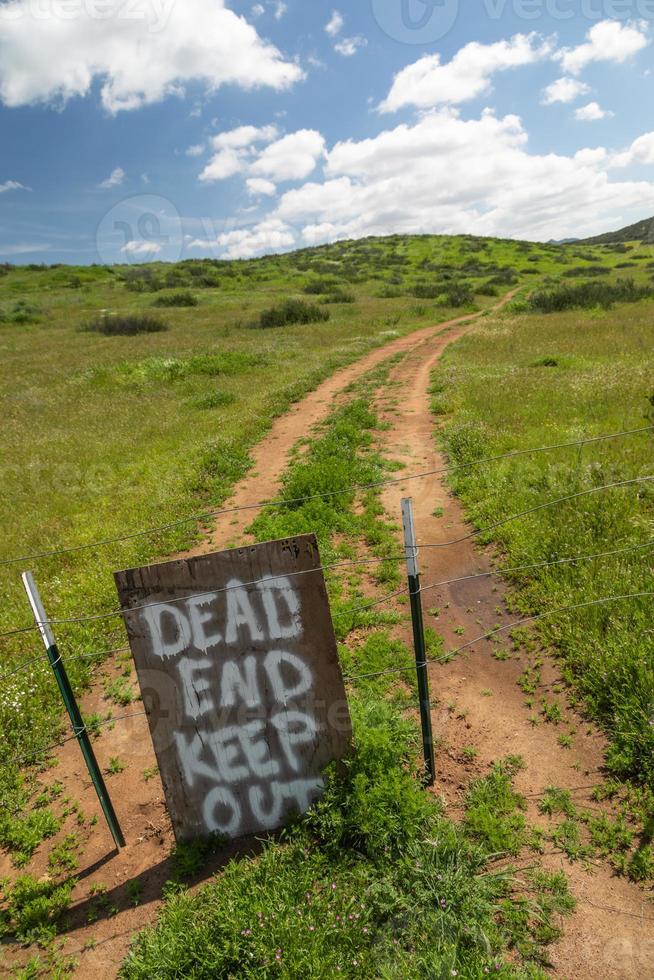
point(598, 943)
point(139, 804)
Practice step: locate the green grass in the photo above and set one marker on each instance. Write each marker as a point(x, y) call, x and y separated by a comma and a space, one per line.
point(105, 435)
point(526, 380)
point(374, 881)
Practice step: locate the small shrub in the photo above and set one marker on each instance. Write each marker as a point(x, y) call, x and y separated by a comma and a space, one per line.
point(216, 399)
point(21, 313)
point(586, 270)
point(548, 362)
point(456, 294)
point(426, 291)
point(339, 296)
point(292, 311)
point(183, 298)
point(587, 295)
point(33, 909)
point(124, 325)
point(318, 287)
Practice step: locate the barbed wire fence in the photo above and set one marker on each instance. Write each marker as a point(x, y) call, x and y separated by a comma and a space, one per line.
point(422, 662)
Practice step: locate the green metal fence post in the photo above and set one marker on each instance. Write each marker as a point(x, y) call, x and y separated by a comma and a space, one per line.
point(79, 728)
point(413, 572)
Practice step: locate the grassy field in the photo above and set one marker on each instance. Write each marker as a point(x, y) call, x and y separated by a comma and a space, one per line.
point(526, 379)
point(375, 882)
point(105, 433)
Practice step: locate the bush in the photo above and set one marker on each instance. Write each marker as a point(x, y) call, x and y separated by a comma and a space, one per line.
point(586, 270)
point(292, 311)
point(127, 325)
point(425, 291)
point(318, 287)
point(457, 294)
point(183, 298)
point(339, 296)
point(21, 313)
point(587, 295)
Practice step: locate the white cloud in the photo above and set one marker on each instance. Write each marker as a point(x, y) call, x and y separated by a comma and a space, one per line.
point(564, 90)
point(335, 24)
point(115, 179)
point(12, 185)
point(427, 82)
point(235, 148)
point(592, 112)
point(196, 150)
point(292, 157)
point(430, 177)
point(257, 185)
point(609, 40)
point(258, 10)
point(350, 45)
point(225, 164)
point(141, 248)
point(136, 62)
point(244, 136)
point(640, 152)
point(280, 10)
point(270, 234)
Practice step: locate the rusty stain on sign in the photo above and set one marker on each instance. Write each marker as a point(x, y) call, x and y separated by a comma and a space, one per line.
point(239, 673)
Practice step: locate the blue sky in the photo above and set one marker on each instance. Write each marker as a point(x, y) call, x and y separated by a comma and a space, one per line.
point(143, 129)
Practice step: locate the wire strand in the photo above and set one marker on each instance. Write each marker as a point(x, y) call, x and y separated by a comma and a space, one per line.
point(218, 512)
point(541, 564)
point(533, 510)
point(487, 636)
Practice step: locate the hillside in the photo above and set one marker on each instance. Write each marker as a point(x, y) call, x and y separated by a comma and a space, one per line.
point(642, 231)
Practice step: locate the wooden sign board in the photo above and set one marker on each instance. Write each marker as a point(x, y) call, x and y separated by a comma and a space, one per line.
point(238, 668)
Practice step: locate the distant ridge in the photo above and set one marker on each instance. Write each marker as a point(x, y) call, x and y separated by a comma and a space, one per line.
point(642, 231)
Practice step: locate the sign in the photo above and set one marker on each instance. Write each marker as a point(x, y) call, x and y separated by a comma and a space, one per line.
point(238, 668)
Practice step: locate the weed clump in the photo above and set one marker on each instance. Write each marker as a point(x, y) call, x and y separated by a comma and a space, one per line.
point(587, 295)
point(125, 325)
point(182, 298)
point(292, 311)
point(21, 313)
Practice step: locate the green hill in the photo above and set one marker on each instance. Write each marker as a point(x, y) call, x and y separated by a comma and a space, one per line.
point(642, 231)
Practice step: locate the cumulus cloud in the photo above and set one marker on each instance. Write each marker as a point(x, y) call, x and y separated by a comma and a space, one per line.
point(335, 24)
point(292, 157)
point(141, 248)
point(196, 150)
point(115, 179)
point(258, 185)
point(609, 40)
point(431, 177)
point(592, 112)
point(348, 46)
point(427, 82)
point(244, 136)
point(198, 41)
point(269, 235)
point(235, 148)
point(12, 185)
point(564, 90)
point(640, 152)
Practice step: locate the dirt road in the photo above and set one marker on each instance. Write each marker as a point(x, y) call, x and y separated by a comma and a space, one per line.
point(490, 716)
